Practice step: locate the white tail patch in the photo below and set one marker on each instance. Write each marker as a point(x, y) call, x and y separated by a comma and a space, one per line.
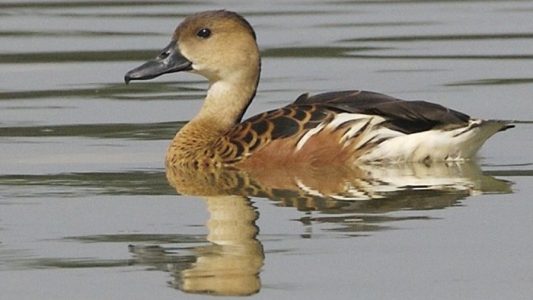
point(434, 145)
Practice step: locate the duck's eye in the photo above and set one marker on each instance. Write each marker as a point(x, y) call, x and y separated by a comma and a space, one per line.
point(204, 33)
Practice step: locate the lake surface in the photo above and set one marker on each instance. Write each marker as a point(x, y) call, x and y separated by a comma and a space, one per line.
point(87, 212)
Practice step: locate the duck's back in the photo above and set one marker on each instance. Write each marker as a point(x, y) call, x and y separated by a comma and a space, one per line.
point(355, 126)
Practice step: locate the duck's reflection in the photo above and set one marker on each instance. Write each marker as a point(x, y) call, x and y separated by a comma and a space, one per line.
point(231, 263)
point(416, 186)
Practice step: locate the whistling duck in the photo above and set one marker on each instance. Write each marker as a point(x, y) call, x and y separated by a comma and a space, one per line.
point(345, 127)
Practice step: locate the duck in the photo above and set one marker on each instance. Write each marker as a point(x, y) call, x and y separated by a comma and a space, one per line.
point(339, 128)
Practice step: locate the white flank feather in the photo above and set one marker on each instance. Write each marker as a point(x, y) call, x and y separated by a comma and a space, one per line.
point(346, 117)
point(434, 145)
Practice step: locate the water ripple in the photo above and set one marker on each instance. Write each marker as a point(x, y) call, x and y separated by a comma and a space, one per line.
point(492, 81)
point(445, 37)
point(138, 131)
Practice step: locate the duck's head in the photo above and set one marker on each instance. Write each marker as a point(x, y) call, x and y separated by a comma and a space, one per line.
point(219, 45)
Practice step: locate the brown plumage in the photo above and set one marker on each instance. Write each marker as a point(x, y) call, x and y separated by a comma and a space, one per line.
point(335, 128)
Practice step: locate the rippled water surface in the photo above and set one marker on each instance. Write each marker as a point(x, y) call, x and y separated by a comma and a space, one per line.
point(86, 211)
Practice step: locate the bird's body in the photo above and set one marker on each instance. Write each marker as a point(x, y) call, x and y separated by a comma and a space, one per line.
point(344, 128)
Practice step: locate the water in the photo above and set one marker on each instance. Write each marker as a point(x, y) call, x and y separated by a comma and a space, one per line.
point(86, 211)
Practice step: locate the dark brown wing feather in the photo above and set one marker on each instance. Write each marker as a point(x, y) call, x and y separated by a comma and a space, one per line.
point(257, 131)
point(346, 100)
point(401, 115)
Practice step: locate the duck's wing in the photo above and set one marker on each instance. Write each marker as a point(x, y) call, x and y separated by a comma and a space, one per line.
point(259, 130)
point(352, 123)
point(403, 116)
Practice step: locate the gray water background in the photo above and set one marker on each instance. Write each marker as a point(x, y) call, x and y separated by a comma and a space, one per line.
point(81, 154)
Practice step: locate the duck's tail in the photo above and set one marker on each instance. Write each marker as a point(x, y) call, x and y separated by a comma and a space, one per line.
point(454, 144)
point(503, 123)
point(480, 131)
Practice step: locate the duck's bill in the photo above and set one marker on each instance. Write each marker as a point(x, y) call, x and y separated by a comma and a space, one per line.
point(169, 61)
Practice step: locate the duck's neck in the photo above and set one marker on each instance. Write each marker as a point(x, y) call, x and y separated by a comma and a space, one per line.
point(223, 108)
point(224, 105)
